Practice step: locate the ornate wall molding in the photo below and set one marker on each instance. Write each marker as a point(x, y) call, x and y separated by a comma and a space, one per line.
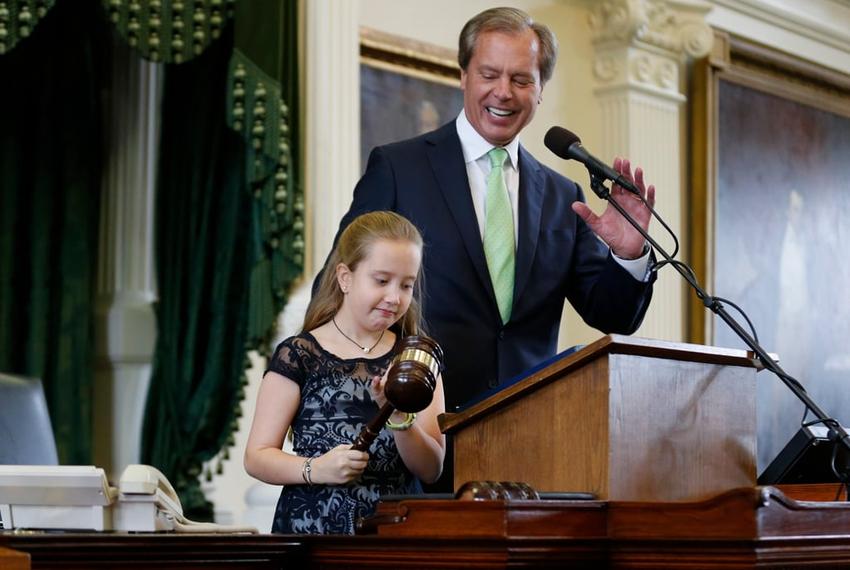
point(676, 26)
point(630, 68)
point(823, 21)
point(642, 43)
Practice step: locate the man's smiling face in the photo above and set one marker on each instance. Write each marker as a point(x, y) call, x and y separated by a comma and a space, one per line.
point(501, 85)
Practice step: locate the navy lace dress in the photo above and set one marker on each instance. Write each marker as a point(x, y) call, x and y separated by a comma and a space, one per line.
point(335, 405)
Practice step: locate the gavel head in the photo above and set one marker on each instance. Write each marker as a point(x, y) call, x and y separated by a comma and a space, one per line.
point(413, 374)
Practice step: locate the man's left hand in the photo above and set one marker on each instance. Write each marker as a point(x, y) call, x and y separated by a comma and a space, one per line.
point(611, 226)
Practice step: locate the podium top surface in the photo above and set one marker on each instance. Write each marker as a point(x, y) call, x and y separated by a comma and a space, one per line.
point(605, 346)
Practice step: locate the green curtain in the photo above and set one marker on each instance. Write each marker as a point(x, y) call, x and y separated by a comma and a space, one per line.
point(50, 167)
point(263, 107)
point(203, 226)
point(18, 19)
point(229, 211)
point(172, 31)
point(229, 231)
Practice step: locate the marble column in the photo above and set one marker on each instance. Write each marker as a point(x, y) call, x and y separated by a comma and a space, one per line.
point(332, 120)
point(641, 48)
point(125, 327)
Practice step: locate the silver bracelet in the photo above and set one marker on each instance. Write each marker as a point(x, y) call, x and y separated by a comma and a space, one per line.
point(306, 470)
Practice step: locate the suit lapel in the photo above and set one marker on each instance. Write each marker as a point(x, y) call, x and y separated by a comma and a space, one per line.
point(446, 157)
point(530, 207)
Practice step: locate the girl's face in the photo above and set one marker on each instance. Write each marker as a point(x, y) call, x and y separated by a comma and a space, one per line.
point(378, 292)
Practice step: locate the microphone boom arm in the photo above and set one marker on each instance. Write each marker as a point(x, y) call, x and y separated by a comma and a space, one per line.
point(713, 304)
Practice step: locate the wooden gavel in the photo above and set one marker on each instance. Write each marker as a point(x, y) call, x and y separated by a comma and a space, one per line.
point(410, 385)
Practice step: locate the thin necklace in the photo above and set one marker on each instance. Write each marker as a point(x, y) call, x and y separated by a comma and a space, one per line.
point(366, 349)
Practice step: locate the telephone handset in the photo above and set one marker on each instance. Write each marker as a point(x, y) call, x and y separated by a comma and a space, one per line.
point(146, 500)
point(146, 480)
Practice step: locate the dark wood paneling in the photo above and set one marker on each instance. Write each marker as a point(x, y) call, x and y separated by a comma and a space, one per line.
point(50, 550)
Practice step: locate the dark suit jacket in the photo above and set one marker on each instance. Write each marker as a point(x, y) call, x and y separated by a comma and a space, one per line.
point(558, 257)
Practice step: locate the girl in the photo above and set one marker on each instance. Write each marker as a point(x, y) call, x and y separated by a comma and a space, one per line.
point(328, 381)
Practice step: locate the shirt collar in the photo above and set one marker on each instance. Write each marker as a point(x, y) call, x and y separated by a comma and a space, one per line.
point(474, 146)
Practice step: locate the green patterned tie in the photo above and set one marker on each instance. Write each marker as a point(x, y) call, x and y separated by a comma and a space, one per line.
point(499, 234)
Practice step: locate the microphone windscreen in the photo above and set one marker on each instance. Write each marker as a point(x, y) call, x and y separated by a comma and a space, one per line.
point(559, 140)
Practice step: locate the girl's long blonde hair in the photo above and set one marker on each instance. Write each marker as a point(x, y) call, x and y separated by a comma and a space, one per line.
point(353, 246)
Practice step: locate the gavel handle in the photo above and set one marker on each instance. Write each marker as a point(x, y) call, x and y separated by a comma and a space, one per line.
point(371, 430)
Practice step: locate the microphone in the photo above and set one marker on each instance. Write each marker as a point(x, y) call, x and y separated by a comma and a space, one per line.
point(567, 145)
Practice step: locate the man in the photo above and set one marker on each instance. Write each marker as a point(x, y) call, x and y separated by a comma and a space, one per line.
point(506, 238)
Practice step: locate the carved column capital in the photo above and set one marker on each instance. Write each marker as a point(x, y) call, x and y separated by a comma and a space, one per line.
point(641, 44)
point(674, 26)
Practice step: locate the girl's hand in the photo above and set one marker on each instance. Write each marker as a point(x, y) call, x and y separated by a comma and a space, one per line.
point(340, 465)
point(376, 389)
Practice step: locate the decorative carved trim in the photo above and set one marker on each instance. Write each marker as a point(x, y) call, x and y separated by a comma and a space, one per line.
point(642, 43)
point(638, 68)
point(676, 26)
point(607, 67)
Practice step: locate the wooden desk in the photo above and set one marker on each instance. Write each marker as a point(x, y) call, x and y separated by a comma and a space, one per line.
point(13, 559)
point(51, 550)
point(754, 527)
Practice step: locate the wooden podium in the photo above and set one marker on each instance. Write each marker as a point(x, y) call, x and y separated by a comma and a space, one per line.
point(625, 418)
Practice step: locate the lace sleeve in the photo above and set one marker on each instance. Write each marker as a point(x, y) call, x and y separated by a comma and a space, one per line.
point(287, 361)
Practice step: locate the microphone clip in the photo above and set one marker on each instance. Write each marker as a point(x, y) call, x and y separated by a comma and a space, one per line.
point(597, 184)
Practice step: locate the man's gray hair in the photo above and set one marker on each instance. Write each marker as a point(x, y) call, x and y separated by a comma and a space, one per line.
point(509, 21)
